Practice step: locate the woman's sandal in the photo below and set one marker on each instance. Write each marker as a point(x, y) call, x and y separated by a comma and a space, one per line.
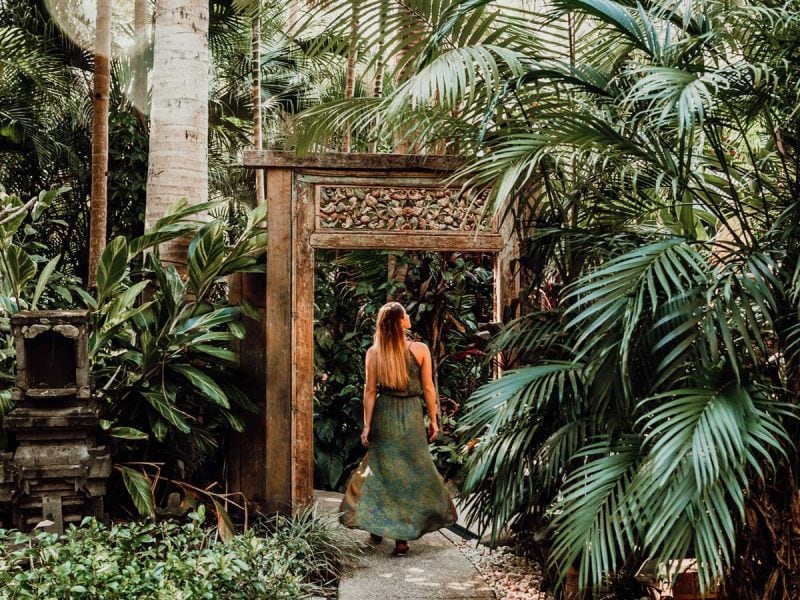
point(401, 548)
point(375, 539)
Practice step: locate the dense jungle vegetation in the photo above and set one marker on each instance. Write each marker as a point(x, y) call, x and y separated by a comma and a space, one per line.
point(646, 154)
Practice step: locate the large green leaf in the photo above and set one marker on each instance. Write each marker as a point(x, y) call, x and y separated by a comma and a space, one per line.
point(127, 433)
point(222, 354)
point(156, 236)
point(203, 382)
point(209, 320)
point(45, 199)
point(44, 280)
point(112, 267)
point(12, 215)
point(330, 463)
point(205, 257)
point(164, 403)
point(18, 267)
point(138, 486)
point(614, 14)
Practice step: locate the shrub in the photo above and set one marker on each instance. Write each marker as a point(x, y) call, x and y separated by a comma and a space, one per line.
point(173, 561)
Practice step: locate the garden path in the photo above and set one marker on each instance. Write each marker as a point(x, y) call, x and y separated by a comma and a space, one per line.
point(434, 568)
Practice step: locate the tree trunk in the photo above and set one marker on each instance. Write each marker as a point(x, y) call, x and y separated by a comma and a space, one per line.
point(256, 94)
point(377, 85)
point(403, 70)
point(178, 158)
point(291, 15)
point(350, 73)
point(377, 92)
point(140, 66)
point(102, 86)
point(768, 564)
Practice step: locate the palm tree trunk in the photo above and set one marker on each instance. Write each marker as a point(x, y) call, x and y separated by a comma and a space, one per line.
point(178, 158)
point(377, 86)
point(142, 43)
point(377, 92)
point(350, 74)
point(258, 142)
point(291, 15)
point(102, 86)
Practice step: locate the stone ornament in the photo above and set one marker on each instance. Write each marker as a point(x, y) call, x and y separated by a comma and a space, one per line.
point(58, 472)
point(401, 208)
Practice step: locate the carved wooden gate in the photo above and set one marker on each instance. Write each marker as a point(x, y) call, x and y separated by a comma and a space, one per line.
point(337, 201)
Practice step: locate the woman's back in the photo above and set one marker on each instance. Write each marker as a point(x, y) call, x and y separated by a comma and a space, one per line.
point(396, 490)
point(414, 387)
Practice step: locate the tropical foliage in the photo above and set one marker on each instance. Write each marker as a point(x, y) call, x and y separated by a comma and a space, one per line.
point(165, 364)
point(280, 559)
point(45, 112)
point(160, 347)
point(48, 139)
point(652, 152)
point(446, 296)
point(27, 279)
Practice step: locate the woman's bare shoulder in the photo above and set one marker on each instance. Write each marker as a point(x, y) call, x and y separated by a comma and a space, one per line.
point(419, 349)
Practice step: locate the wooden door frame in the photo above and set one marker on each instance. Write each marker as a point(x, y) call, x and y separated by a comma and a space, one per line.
point(294, 232)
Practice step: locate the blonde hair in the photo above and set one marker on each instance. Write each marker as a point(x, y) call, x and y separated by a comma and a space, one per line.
point(390, 347)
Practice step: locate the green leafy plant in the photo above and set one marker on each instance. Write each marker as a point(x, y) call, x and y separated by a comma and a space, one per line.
point(161, 345)
point(28, 280)
point(648, 155)
point(284, 559)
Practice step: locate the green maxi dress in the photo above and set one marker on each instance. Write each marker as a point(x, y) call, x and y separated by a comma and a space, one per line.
point(396, 490)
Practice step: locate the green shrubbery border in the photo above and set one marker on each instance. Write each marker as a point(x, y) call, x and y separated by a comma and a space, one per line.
point(280, 558)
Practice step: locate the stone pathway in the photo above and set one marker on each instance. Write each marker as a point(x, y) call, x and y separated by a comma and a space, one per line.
point(434, 569)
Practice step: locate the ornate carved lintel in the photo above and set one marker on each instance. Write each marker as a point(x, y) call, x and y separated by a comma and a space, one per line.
point(400, 209)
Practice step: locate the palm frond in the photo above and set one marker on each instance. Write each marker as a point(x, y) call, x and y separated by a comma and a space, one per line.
point(587, 529)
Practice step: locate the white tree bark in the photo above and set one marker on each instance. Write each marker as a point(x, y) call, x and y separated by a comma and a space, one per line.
point(141, 71)
point(178, 160)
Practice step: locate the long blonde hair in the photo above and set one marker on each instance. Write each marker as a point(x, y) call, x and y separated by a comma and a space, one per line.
point(390, 347)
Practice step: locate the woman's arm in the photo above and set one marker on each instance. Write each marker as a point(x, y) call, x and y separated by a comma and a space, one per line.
point(429, 392)
point(370, 392)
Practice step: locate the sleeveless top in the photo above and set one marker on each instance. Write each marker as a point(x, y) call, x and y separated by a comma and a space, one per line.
point(414, 387)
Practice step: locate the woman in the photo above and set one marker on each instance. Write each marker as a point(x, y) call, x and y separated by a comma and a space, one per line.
point(396, 491)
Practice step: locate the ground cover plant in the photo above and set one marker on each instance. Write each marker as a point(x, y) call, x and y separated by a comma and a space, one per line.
point(278, 559)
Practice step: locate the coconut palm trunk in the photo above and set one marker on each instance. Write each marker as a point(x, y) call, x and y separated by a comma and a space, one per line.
point(178, 158)
point(102, 84)
point(141, 68)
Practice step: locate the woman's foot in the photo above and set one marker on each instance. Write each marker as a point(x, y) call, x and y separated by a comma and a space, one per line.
point(375, 539)
point(400, 548)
